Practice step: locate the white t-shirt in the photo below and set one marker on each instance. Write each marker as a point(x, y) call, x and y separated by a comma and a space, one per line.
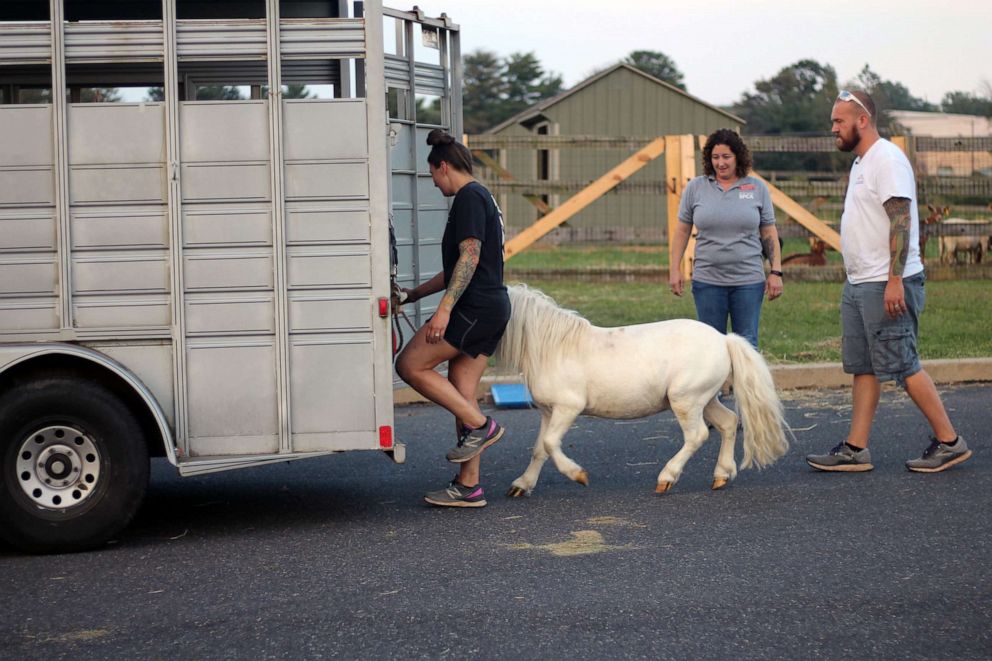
point(882, 173)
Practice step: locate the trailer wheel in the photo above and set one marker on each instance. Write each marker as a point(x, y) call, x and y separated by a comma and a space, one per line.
point(73, 464)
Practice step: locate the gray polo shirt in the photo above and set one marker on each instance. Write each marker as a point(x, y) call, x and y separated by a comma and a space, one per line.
point(728, 246)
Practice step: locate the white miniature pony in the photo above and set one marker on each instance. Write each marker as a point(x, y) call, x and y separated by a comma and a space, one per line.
point(572, 367)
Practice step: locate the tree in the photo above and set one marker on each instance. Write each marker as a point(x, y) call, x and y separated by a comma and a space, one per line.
point(297, 92)
point(99, 95)
point(888, 95)
point(796, 100)
point(482, 91)
point(497, 88)
point(428, 109)
point(657, 64)
point(527, 82)
point(34, 95)
point(967, 104)
point(218, 93)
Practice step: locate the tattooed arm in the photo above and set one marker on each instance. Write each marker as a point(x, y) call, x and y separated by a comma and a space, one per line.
point(461, 275)
point(771, 248)
point(468, 260)
point(897, 208)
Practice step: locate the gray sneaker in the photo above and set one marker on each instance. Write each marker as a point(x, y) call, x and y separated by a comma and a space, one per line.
point(940, 456)
point(474, 441)
point(842, 458)
point(457, 495)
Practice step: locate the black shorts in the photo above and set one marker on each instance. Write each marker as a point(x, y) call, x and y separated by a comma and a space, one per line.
point(474, 331)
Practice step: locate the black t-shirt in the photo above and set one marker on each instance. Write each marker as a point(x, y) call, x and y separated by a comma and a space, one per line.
point(474, 215)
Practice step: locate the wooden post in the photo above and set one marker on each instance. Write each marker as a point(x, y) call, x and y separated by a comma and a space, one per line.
point(680, 167)
point(799, 213)
point(584, 197)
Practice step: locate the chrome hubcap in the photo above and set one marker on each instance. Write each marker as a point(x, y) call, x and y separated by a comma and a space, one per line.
point(58, 467)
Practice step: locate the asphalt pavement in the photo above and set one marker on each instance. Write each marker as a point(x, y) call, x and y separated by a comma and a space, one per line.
point(338, 556)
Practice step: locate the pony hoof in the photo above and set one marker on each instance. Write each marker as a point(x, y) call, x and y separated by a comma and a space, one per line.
point(516, 492)
point(582, 478)
point(719, 483)
point(663, 487)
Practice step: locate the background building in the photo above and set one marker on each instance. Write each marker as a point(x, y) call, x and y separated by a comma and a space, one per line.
point(619, 101)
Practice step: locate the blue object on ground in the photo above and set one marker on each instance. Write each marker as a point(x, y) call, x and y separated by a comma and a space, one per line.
point(511, 396)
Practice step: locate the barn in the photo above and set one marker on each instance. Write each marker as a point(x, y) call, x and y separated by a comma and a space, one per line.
point(966, 161)
point(619, 101)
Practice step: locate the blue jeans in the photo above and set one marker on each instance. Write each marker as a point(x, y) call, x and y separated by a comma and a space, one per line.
point(741, 302)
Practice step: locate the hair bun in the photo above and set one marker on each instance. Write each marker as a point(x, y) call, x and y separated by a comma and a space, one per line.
point(439, 137)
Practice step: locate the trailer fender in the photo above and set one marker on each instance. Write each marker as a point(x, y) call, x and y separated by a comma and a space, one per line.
point(12, 355)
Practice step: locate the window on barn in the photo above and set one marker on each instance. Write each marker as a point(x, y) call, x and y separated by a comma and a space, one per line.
point(547, 163)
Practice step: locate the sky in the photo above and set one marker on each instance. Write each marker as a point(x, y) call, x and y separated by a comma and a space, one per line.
point(932, 47)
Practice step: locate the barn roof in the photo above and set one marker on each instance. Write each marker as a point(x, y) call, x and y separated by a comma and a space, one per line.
point(942, 124)
point(541, 106)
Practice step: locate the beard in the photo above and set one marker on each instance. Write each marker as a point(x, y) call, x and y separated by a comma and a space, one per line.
point(848, 144)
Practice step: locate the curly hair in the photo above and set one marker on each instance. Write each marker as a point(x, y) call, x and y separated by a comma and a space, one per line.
point(736, 144)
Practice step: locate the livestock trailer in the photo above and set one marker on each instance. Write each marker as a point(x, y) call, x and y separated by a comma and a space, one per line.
point(196, 201)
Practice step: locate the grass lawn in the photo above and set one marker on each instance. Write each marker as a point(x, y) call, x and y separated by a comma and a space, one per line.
point(548, 257)
point(803, 325)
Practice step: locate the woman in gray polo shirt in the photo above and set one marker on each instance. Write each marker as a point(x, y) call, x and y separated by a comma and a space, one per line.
point(733, 214)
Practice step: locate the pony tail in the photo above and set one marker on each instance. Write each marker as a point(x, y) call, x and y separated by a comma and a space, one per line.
point(760, 408)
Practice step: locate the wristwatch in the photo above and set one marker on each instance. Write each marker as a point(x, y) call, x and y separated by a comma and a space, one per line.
point(774, 272)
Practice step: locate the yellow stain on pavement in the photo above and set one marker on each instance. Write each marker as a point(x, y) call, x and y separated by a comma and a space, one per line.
point(79, 636)
point(583, 542)
point(613, 521)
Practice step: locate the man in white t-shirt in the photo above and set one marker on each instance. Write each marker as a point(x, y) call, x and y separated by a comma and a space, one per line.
point(884, 295)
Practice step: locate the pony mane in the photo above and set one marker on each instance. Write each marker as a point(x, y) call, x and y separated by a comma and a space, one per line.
point(539, 332)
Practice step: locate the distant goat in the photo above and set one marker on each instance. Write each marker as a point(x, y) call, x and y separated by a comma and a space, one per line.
point(954, 249)
point(970, 249)
point(937, 214)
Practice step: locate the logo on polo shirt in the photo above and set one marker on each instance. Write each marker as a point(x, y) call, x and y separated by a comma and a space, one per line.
point(745, 196)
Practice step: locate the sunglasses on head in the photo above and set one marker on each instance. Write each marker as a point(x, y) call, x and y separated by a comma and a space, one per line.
point(847, 96)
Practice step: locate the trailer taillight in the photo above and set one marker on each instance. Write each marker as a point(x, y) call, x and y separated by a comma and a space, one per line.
point(385, 436)
point(383, 307)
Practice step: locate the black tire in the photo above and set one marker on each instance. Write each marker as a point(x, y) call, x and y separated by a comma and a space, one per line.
point(73, 464)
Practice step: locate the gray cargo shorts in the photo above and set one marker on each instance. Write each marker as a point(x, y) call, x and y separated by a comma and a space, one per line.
point(873, 342)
